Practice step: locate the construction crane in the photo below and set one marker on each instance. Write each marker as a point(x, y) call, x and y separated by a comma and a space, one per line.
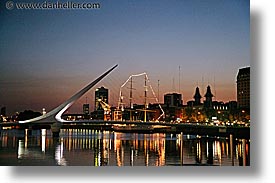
point(107, 109)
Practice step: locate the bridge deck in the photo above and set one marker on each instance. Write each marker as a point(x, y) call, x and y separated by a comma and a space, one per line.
point(144, 127)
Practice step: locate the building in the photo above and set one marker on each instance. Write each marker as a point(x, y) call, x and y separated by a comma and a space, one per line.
point(73, 117)
point(86, 111)
point(232, 106)
point(243, 88)
point(219, 106)
point(173, 100)
point(101, 94)
point(172, 106)
point(197, 97)
point(197, 100)
point(208, 98)
point(3, 111)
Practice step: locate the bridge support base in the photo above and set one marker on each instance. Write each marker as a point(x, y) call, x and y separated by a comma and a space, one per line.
point(55, 127)
point(55, 134)
point(29, 132)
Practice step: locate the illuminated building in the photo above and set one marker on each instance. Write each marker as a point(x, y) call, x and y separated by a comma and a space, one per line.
point(101, 94)
point(219, 106)
point(243, 87)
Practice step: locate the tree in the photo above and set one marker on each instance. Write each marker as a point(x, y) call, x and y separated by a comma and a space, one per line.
point(28, 114)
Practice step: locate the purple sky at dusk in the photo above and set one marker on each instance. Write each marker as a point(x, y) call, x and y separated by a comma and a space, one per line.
point(47, 56)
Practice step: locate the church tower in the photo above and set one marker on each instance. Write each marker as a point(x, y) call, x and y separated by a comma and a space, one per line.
point(208, 98)
point(197, 97)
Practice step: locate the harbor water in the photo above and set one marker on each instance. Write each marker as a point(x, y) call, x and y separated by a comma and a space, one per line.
point(86, 147)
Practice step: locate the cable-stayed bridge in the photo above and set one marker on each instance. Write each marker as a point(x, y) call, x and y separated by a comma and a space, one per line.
point(53, 118)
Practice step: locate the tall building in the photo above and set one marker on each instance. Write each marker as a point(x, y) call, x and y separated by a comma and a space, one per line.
point(208, 98)
point(173, 100)
point(100, 94)
point(243, 87)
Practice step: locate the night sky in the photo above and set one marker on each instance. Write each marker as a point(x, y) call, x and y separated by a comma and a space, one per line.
point(47, 56)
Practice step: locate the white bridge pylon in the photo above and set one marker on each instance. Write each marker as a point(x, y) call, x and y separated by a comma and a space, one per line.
point(55, 115)
point(121, 97)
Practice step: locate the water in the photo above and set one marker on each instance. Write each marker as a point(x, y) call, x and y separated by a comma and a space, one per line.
point(77, 147)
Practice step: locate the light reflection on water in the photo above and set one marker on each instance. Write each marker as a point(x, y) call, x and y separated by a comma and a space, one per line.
point(77, 147)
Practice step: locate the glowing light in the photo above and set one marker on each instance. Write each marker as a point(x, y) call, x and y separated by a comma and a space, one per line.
point(20, 152)
point(59, 154)
point(44, 111)
point(43, 147)
point(26, 138)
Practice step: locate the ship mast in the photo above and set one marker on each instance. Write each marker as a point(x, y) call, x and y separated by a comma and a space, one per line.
point(145, 98)
point(131, 98)
point(146, 105)
point(179, 79)
point(158, 90)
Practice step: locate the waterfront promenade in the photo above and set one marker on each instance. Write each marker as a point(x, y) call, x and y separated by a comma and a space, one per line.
point(145, 127)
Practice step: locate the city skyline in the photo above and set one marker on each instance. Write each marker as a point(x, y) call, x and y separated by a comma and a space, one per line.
point(47, 56)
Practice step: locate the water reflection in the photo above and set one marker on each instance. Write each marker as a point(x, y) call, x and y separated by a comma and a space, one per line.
point(43, 136)
point(59, 153)
point(86, 147)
